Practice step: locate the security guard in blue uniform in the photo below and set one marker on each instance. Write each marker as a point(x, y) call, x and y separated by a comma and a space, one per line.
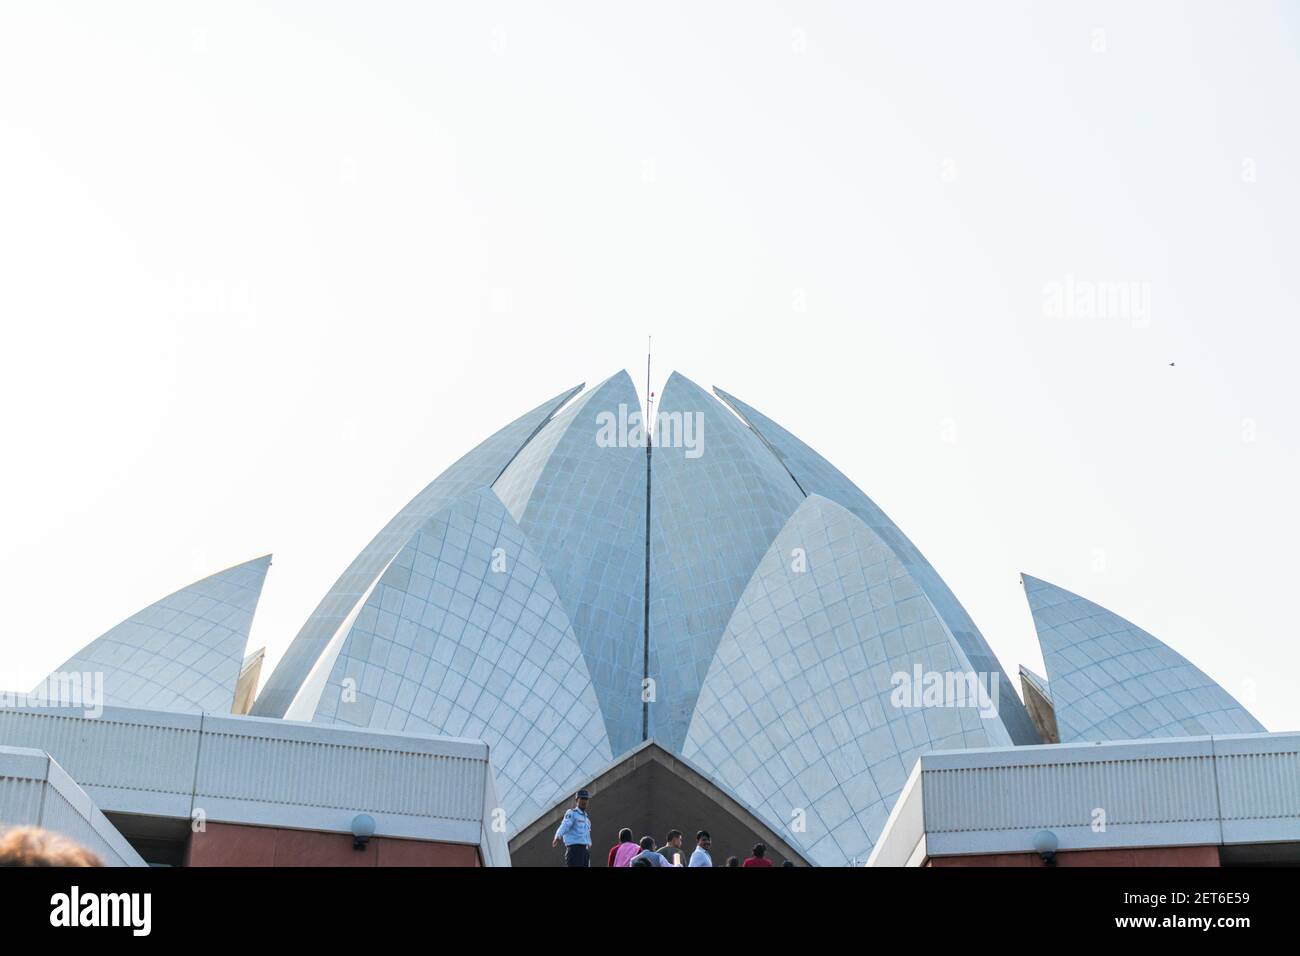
point(575, 831)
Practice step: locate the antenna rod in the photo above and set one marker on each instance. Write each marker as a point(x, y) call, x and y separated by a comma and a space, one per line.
point(645, 604)
point(649, 395)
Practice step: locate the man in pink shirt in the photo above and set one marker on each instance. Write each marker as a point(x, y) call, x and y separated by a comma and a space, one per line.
point(626, 849)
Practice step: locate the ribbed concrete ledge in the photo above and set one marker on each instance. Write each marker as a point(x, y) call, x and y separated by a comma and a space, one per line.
point(1177, 792)
point(268, 772)
point(36, 791)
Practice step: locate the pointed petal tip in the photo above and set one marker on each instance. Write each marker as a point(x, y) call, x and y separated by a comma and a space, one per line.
point(262, 560)
point(621, 375)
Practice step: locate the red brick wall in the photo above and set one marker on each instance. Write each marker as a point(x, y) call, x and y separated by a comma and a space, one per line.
point(1139, 856)
point(229, 844)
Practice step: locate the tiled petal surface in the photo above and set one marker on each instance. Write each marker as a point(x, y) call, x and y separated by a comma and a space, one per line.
point(477, 469)
point(465, 636)
point(1111, 680)
point(184, 652)
point(798, 716)
point(712, 517)
point(818, 476)
point(580, 498)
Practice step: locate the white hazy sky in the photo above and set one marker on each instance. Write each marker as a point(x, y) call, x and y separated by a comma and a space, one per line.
point(266, 269)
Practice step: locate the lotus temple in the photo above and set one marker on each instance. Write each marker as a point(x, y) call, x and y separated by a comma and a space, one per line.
point(711, 628)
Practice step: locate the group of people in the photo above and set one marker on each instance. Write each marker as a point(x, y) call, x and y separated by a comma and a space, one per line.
point(575, 833)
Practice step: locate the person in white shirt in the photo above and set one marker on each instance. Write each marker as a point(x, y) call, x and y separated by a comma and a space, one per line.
point(701, 855)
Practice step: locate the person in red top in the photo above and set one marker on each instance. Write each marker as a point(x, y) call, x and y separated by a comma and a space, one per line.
point(624, 836)
point(759, 858)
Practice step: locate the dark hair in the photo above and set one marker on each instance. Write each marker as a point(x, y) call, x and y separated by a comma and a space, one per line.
point(640, 861)
point(787, 863)
point(647, 843)
point(732, 861)
point(671, 835)
point(702, 835)
point(759, 850)
point(625, 835)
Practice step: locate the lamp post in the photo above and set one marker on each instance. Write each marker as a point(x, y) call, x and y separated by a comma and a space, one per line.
point(1045, 844)
point(363, 828)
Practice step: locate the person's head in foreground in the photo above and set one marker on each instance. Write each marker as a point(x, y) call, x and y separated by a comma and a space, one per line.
point(759, 850)
point(32, 846)
point(625, 835)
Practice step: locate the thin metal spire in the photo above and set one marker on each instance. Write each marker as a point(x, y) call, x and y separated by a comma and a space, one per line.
point(649, 395)
point(645, 627)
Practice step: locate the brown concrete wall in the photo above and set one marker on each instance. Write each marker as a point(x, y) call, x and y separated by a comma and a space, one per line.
point(1139, 856)
point(229, 844)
